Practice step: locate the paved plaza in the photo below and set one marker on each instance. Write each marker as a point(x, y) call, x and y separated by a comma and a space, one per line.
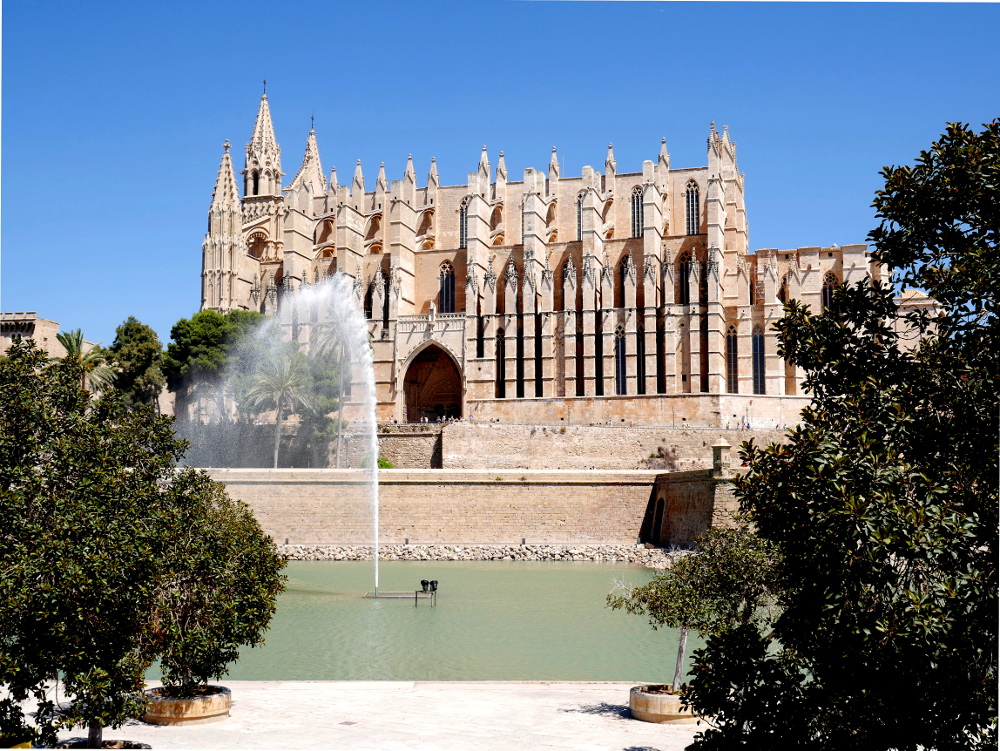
point(436, 716)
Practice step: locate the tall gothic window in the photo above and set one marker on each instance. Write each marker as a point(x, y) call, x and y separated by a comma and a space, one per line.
point(446, 294)
point(579, 217)
point(691, 204)
point(463, 224)
point(620, 362)
point(637, 220)
point(501, 386)
point(830, 281)
point(759, 385)
point(732, 361)
point(684, 279)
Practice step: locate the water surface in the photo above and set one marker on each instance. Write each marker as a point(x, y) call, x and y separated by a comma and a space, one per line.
point(493, 621)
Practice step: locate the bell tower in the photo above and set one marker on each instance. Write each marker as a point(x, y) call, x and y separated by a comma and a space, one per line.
point(262, 206)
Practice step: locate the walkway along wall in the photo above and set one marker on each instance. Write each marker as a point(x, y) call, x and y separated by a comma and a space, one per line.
point(486, 507)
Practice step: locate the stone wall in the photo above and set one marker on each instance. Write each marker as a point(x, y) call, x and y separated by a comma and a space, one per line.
point(466, 507)
point(497, 445)
point(411, 446)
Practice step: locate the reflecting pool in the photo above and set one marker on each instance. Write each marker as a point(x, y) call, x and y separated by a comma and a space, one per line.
point(493, 621)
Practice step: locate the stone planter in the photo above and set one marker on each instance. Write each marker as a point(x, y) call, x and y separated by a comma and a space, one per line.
point(658, 704)
point(212, 705)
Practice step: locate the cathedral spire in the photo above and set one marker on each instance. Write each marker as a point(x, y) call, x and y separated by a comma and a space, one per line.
point(311, 172)
point(226, 194)
point(610, 165)
point(501, 168)
point(332, 185)
point(409, 173)
point(262, 172)
point(554, 165)
point(380, 182)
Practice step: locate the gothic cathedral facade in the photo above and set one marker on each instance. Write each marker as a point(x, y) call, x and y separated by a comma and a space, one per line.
point(614, 297)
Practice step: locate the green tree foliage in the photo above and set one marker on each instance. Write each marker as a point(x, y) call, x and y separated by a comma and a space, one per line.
point(104, 547)
point(136, 356)
point(883, 503)
point(91, 361)
point(201, 346)
point(729, 582)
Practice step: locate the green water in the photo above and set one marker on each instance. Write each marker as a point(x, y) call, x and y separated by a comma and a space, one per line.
point(492, 621)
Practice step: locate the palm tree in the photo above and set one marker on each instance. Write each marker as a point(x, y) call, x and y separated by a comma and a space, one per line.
point(91, 361)
point(278, 382)
point(328, 340)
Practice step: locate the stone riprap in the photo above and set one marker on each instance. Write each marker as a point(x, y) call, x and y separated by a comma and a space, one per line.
point(638, 554)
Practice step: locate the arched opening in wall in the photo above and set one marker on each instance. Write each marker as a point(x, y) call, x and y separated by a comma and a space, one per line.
point(684, 278)
point(369, 300)
point(463, 224)
point(496, 219)
point(830, 282)
point(257, 245)
point(732, 361)
point(374, 225)
point(640, 359)
point(446, 288)
point(757, 340)
point(550, 219)
point(500, 389)
point(432, 386)
point(692, 209)
point(621, 274)
point(621, 381)
point(255, 183)
point(637, 215)
point(425, 225)
point(324, 232)
point(783, 289)
point(598, 353)
point(703, 353)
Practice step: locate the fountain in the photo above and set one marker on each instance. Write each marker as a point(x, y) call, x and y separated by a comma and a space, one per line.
point(313, 361)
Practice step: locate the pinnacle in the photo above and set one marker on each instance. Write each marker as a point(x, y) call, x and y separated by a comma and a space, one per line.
point(226, 194)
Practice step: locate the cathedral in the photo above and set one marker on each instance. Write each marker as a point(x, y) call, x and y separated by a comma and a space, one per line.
point(605, 298)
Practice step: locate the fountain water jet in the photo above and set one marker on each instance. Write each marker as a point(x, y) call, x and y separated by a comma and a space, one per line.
point(313, 355)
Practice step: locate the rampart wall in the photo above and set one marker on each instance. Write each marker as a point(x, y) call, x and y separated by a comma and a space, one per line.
point(478, 507)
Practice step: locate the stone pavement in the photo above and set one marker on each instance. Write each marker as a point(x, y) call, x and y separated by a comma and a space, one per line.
point(436, 716)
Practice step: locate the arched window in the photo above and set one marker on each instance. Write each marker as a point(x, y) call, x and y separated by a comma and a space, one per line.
point(732, 361)
point(691, 204)
point(463, 224)
point(620, 365)
point(684, 279)
point(501, 388)
point(759, 385)
point(446, 294)
point(640, 359)
point(579, 217)
point(637, 221)
point(751, 289)
point(255, 177)
point(830, 281)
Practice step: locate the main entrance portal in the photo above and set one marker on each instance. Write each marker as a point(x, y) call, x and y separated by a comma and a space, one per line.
point(432, 387)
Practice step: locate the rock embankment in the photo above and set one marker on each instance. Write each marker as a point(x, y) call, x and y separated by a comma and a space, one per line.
point(639, 554)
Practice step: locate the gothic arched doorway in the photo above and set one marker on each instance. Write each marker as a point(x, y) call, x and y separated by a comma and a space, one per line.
point(432, 387)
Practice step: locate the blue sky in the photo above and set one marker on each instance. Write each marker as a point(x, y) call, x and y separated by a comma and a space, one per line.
point(114, 114)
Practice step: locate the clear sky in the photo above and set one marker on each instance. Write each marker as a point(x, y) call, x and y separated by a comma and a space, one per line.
point(114, 114)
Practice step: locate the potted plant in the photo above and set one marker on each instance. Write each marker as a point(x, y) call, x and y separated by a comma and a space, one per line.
point(730, 580)
point(220, 596)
